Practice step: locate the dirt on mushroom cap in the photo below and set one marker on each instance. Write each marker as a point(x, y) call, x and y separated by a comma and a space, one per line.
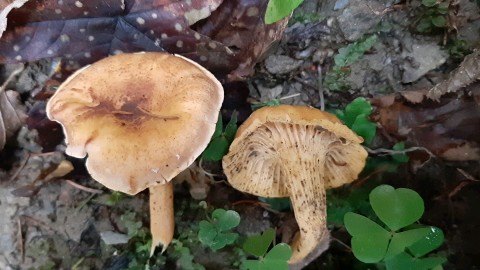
point(141, 118)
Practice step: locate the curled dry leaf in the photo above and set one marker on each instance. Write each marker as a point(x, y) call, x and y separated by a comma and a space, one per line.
point(226, 37)
point(448, 128)
point(198, 180)
point(12, 114)
point(467, 73)
point(5, 7)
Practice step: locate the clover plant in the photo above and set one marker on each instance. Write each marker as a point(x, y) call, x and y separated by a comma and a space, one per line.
point(275, 259)
point(279, 9)
point(356, 117)
point(216, 232)
point(346, 56)
point(221, 139)
point(401, 243)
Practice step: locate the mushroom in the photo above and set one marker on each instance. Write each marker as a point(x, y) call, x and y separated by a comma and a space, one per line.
point(296, 152)
point(142, 119)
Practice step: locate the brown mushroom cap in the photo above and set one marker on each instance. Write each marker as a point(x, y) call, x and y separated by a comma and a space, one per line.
point(141, 118)
point(296, 152)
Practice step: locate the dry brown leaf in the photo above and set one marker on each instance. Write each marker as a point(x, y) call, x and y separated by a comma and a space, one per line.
point(467, 73)
point(12, 113)
point(448, 128)
point(5, 7)
point(198, 180)
point(226, 37)
point(414, 96)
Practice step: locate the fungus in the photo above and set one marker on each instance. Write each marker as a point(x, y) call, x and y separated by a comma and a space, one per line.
point(142, 119)
point(296, 152)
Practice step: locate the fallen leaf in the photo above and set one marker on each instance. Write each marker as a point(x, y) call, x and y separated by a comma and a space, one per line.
point(198, 180)
point(449, 127)
point(12, 113)
point(227, 37)
point(467, 73)
point(5, 7)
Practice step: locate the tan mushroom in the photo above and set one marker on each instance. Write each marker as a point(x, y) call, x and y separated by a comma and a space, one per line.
point(141, 118)
point(296, 152)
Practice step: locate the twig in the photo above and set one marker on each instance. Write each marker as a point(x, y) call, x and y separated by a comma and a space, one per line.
point(341, 243)
point(42, 154)
point(467, 175)
point(10, 78)
point(469, 180)
point(289, 96)
point(251, 202)
point(388, 152)
point(84, 202)
point(204, 171)
point(20, 239)
point(38, 223)
point(76, 265)
point(17, 172)
point(320, 87)
point(84, 188)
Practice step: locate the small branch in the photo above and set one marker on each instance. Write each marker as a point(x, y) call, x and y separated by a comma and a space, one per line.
point(341, 243)
point(388, 152)
point(17, 172)
point(204, 171)
point(320, 87)
point(20, 239)
point(84, 188)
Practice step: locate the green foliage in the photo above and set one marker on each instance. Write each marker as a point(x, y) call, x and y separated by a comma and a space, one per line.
point(339, 204)
point(335, 78)
point(458, 48)
point(215, 233)
point(258, 245)
point(273, 102)
point(400, 158)
point(352, 52)
point(184, 256)
point(356, 117)
point(138, 249)
point(276, 259)
point(114, 198)
point(279, 9)
point(221, 139)
point(306, 18)
point(433, 16)
point(402, 244)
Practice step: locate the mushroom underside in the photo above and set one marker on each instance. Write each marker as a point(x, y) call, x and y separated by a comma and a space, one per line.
point(298, 161)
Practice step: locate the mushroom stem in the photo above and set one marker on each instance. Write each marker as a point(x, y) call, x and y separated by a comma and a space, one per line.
point(162, 222)
point(307, 193)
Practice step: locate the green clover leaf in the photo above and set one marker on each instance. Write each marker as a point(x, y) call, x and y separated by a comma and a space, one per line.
point(369, 240)
point(276, 259)
point(258, 244)
point(216, 233)
point(221, 140)
point(397, 208)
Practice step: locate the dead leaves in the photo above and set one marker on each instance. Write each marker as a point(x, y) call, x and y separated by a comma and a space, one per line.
point(465, 74)
point(227, 37)
point(12, 114)
point(5, 7)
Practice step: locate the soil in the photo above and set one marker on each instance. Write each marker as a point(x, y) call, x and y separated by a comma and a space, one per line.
point(72, 222)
